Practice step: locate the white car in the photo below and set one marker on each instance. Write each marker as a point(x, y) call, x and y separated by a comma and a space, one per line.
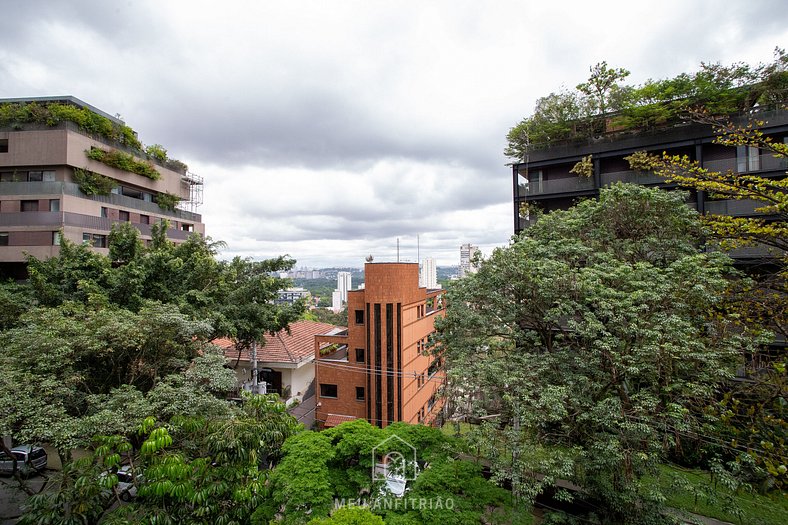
point(29, 460)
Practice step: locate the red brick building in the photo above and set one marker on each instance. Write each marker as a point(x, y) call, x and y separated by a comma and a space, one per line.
point(378, 369)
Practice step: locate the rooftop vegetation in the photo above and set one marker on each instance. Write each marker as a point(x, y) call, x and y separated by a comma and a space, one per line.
point(17, 114)
point(605, 104)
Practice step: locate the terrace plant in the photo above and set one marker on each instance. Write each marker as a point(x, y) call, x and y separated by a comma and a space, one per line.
point(91, 183)
point(123, 161)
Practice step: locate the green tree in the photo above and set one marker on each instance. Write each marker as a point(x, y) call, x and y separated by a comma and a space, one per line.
point(597, 338)
point(753, 410)
point(350, 516)
point(602, 88)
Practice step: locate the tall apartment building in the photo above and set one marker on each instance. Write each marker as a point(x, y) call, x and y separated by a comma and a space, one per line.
point(377, 369)
point(428, 277)
point(40, 196)
point(545, 180)
point(344, 284)
point(467, 252)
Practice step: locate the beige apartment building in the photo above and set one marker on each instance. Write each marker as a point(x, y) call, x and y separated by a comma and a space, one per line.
point(41, 199)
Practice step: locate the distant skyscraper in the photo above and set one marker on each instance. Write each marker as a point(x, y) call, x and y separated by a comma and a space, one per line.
point(336, 301)
point(428, 277)
point(467, 252)
point(344, 284)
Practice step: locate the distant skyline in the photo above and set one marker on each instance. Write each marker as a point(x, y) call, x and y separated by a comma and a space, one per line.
point(327, 130)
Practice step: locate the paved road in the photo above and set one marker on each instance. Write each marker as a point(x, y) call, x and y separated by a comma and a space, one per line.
point(12, 497)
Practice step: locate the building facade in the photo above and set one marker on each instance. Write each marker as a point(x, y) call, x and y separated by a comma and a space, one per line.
point(344, 284)
point(429, 273)
point(41, 197)
point(378, 369)
point(467, 253)
point(545, 180)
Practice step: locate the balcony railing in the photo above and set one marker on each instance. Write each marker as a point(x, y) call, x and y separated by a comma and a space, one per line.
point(764, 162)
point(547, 187)
point(635, 177)
point(70, 188)
point(736, 208)
point(54, 220)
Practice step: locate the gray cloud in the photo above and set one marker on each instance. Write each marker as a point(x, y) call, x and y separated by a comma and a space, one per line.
point(328, 130)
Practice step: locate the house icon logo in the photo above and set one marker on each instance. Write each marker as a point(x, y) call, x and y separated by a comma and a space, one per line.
point(394, 458)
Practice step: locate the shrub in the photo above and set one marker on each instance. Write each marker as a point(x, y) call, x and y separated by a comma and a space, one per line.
point(123, 161)
point(167, 201)
point(91, 183)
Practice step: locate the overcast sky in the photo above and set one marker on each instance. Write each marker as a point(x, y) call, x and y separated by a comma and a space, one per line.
point(328, 129)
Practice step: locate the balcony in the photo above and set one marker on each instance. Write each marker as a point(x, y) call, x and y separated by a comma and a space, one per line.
point(54, 220)
point(548, 187)
point(70, 188)
point(632, 176)
point(756, 164)
point(735, 208)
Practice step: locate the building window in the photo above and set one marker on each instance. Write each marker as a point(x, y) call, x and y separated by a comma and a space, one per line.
point(104, 212)
point(54, 204)
point(359, 355)
point(359, 393)
point(29, 205)
point(328, 391)
point(95, 240)
point(48, 176)
point(748, 158)
point(35, 176)
point(3, 145)
point(7, 176)
point(144, 219)
point(359, 316)
point(187, 227)
point(3, 238)
point(56, 238)
point(124, 216)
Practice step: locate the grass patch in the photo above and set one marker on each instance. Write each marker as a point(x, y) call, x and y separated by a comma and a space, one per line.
point(695, 491)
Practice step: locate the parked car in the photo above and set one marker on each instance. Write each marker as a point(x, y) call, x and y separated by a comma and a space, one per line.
point(29, 460)
point(126, 487)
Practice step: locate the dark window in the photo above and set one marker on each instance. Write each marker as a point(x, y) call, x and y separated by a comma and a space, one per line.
point(748, 158)
point(130, 192)
point(434, 367)
point(49, 176)
point(144, 219)
point(123, 215)
point(359, 316)
point(187, 227)
point(359, 355)
point(35, 176)
point(29, 205)
point(99, 241)
point(86, 237)
point(328, 390)
point(104, 212)
point(3, 238)
point(359, 393)
point(3, 145)
point(54, 204)
point(7, 176)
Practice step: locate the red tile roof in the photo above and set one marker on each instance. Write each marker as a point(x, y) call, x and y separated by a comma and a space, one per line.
point(333, 420)
point(282, 347)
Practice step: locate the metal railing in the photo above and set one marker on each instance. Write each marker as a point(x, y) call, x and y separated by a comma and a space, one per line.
point(733, 207)
point(635, 177)
point(70, 188)
point(546, 187)
point(764, 162)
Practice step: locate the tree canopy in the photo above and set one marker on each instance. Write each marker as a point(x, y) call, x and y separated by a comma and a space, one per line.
point(594, 342)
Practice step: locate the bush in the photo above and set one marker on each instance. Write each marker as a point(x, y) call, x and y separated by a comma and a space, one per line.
point(91, 183)
point(123, 161)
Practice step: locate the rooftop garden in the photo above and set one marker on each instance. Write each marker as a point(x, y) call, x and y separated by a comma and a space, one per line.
point(16, 114)
point(604, 104)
